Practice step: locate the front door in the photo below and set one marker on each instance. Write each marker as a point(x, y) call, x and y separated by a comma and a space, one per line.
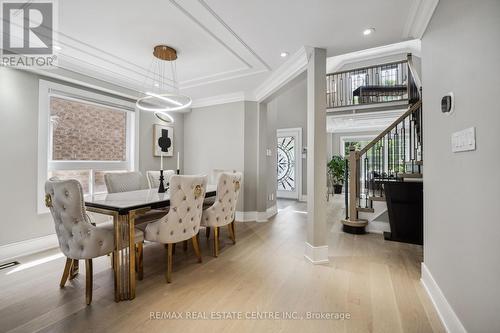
point(289, 163)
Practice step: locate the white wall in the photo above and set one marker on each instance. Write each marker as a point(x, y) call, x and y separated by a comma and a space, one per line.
point(460, 53)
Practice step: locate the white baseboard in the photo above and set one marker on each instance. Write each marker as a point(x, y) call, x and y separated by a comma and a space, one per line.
point(27, 247)
point(303, 198)
point(448, 317)
point(378, 227)
point(316, 254)
point(256, 216)
point(246, 216)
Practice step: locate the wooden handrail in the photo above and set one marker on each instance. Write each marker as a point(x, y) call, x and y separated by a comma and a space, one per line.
point(410, 110)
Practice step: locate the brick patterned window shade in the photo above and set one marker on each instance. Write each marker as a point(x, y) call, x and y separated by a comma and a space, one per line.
point(87, 132)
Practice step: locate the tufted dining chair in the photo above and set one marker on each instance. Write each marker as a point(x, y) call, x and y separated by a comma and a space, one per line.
point(183, 219)
point(124, 181)
point(154, 178)
point(223, 211)
point(132, 181)
point(78, 238)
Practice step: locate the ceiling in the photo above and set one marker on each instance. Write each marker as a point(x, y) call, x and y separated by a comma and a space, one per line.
point(224, 46)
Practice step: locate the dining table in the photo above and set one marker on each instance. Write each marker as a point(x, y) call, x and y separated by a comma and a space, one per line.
point(124, 208)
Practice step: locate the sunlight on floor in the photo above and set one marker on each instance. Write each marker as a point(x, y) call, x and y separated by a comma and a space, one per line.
point(35, 263)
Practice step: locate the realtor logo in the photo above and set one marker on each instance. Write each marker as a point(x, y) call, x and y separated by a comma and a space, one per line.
point(28, 33)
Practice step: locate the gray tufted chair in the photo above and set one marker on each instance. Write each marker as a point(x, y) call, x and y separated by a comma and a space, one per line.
point(223, 210)
point(132, 181)
point(183, 219)
point(154, 178)
point(78, 238)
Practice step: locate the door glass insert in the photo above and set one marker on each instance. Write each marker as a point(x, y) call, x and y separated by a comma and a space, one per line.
point(286, 163)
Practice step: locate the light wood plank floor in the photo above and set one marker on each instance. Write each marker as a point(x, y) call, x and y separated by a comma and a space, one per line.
point(375, 281)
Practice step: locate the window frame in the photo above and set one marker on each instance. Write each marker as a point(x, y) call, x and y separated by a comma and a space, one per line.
point(48, 89)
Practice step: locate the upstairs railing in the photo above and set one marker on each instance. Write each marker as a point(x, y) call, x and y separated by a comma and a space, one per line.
point(394, 155)
point(369, 85)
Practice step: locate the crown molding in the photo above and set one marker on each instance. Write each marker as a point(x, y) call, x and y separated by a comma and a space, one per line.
point(219, 99)
point(335, 63)
point(420, 14)
point(294, 66)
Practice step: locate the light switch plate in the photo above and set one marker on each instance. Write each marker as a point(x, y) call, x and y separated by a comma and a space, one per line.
point(269, 152)
point(464, 140)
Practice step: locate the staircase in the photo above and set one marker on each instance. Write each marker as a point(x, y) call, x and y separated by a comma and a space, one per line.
point(394, 156)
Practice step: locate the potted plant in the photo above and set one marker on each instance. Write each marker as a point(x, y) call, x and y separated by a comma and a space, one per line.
point(336, 173)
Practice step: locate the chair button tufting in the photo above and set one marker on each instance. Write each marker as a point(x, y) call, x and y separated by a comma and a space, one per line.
point(100, 243)
point(180, 220)
point(179, 187)
point(184, 230)
point(184, 198)
point(171, 233)
point(192, 218)
point(188, 209)
point(66, 193)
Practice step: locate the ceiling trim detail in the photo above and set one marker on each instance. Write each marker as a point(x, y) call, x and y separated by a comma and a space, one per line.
point(219, 99)
point(420, 14)
point(335, 63)
point(124, 73)
point(211, 11)
point(362, 122)
point(294, 66)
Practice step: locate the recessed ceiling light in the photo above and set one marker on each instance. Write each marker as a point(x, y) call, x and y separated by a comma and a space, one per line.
point(284, 54)
point(368, 31)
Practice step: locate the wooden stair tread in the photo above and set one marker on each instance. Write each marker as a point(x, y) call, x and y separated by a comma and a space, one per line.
point(365, 209)
point(410, 175)
point(376, 198)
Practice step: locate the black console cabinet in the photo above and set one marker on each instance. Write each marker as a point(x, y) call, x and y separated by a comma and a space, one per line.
point(406, 211)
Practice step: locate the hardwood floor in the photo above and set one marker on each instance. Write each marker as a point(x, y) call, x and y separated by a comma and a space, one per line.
point(374, 281)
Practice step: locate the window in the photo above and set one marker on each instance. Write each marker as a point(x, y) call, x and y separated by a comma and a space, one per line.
point(83, 135)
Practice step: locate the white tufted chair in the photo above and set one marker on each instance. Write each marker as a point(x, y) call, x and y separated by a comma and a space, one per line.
point(132, 181)
point(78, 238)
point(154, 178)
point(183, 219)
point(223, 210)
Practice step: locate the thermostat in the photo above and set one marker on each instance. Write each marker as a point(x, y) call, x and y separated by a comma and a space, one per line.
point(448, 103)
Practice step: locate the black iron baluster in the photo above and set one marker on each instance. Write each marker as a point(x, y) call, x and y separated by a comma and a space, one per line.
point(346, 191)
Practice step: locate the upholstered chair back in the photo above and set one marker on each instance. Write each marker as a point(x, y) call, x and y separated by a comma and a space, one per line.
point(78, 238)
point(124, 181)
point(223, 210)
point(154, 178)
point(186, 206)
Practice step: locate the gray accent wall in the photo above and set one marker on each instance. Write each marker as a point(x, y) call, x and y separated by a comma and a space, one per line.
point(147, 161)
point(214, 138)
point(288, 110)
point(19, 148)
point(460, 53)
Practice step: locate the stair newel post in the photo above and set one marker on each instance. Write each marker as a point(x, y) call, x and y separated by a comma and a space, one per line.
point(353, 182)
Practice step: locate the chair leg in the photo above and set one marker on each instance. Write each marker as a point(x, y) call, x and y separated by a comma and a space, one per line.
point(216, 241)
point(207, 232)
point(230, 228)
point(173, 248)
point(74, 269)
point(88, 281)
point(139, 260)
point(196, 247)
point(185, 245)
point(168, 276)
point(65, 275)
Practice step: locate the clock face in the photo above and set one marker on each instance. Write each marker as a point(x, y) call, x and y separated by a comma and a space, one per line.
point(286, 163)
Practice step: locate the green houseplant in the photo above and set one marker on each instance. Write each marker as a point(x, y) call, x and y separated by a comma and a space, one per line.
point(336, 173)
